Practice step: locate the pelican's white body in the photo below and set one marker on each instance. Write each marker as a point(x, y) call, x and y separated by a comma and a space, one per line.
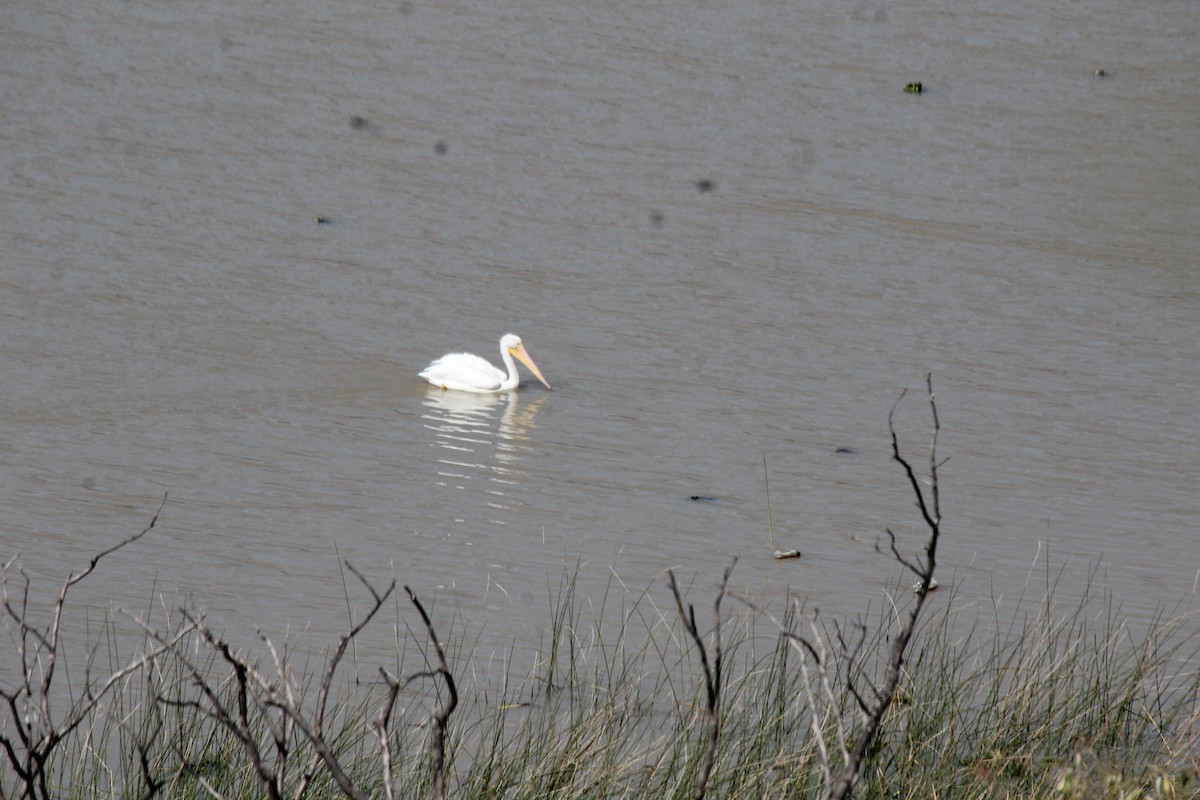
point(466, 372)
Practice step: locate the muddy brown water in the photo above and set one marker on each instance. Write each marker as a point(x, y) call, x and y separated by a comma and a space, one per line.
point(234, 232)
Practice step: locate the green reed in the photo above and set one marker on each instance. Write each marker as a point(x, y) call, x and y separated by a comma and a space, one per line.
point(1052, 702)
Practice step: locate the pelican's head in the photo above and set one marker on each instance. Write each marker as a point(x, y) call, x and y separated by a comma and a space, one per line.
point(511, 343)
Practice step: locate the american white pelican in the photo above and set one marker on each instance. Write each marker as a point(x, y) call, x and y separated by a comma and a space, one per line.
point(467, 372)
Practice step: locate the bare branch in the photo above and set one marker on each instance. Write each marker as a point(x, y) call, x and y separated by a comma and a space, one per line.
point(871, 702)
point(930, 510)
point(144, 742)
point(265, 714)
point(914, 567)
point(931, 515)
point(382, 728)
point(442, 716)
point(712, 673)
point(35, 734)
point(323, 749)
point(824, 705)
point(335, 659)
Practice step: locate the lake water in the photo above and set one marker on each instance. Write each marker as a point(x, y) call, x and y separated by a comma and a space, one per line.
point(233, 232)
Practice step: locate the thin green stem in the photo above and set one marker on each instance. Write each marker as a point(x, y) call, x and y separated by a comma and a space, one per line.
point(767, 484)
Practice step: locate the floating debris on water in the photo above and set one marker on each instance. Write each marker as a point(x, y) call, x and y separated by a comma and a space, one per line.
point(845, 451)
point(933, 585)
point(913, 88)
point(703, 498)
point(322, 220)
point(782, 554)
point(1100, 73)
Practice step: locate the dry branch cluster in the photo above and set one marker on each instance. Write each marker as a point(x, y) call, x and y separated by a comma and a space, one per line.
point(822, 655)
point(261, 709)
point(189, 671)
point(32, 730)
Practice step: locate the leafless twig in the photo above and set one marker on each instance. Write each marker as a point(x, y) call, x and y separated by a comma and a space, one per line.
point(273, 704)
point(35, 733)
point(441, 716)
point(823, 659)
point(874, 708)
point(712, 671)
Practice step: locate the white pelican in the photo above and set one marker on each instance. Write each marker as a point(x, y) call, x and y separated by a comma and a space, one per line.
point(467, 372)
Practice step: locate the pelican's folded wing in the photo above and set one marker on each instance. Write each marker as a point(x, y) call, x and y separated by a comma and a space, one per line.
point(464, 372)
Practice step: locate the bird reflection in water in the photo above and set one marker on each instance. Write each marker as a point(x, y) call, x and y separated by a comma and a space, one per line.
point(479, 438)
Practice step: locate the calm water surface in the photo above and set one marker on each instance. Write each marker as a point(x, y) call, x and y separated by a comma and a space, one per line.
point(724, 231)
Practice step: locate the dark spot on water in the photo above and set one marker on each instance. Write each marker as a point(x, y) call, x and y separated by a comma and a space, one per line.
point(656, 218)
point(701, 498)
point(441, 148)
point(358, 123)
point(842, 451)
point(706, 185)
point(323, 220)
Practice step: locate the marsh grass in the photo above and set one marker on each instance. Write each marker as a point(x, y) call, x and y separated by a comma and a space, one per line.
point(1013, 711)
point(1053, 701)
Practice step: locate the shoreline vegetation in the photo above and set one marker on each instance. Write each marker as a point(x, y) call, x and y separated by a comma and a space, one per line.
point(639, 697)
